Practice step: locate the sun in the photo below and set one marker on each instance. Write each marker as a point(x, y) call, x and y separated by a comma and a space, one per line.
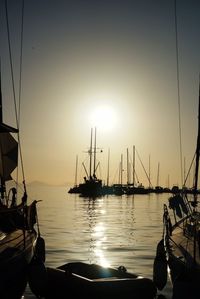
point(103, 117)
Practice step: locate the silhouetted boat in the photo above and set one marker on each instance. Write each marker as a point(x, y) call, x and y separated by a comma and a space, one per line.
point(140, 189)
point(17, 233)
point(18, 236)
point(181, 238)
point(92, 186)
point(82, 280)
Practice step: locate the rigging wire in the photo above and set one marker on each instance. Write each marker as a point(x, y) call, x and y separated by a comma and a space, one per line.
point(11, 62)
point(144, 169)
point(21, 55)
point(17, 113)
point(178, 90)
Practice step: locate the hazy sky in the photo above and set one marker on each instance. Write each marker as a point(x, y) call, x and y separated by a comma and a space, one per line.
point(85, 56)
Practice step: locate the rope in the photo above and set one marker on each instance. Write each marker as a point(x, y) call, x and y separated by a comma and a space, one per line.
point(11, 62)
point(178, 91)
point(20, 87)
point(17, 114)
point(21, 54)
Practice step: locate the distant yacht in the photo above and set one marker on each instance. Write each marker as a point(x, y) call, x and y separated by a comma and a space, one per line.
point(92, 186)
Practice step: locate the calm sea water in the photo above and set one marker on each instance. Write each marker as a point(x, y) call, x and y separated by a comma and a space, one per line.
point(112, 230)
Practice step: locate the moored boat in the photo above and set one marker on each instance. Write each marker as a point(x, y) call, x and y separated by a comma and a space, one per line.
point(18, 217)
point(181, 236)
point(82, 280)
point(91, 186)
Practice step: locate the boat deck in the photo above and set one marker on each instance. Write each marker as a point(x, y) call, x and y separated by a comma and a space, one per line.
point(14, 242)
point(183, 247)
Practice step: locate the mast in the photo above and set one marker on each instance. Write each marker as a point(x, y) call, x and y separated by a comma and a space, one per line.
point(158, 174)
point(1, 112)
point(108, 174)
point(94, 152)
point(149, 170)
point(121, 173)
point(76, 170)
point(8, 152)
point(168, 184)
point(127, 166)
point(134, 166)
point(196, 178)
point(1, 121)
point(90, 154)
point(197, 154)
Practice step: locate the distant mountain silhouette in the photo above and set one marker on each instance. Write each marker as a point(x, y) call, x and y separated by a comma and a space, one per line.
point(40, 184)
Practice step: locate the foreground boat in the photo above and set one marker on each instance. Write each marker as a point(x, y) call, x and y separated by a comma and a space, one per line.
point(18, 237)
point(181, 239)
point(17, 233)
point(17, 243)
point(82, 280)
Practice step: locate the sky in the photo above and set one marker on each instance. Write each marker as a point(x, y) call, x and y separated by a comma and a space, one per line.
point(110, 64)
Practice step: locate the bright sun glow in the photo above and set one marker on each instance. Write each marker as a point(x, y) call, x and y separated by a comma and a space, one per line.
point(103, 117)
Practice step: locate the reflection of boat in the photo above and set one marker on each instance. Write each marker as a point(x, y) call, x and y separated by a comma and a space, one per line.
point(182, 239)
point(17, 234)
point(92, 186)
point(83, 280)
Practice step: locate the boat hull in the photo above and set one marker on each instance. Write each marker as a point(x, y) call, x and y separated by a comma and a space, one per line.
point(185, 281)
point(83, 280)
point(16, 254)
point(184, 273)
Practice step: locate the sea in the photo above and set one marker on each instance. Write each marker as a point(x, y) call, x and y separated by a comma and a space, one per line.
point(110, 230)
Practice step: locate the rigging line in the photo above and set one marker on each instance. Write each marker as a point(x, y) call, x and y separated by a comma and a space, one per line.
point(197, 152)
point(178, 90)
point(11, 62)
point(189, 170)
point(13, 84)
point(144, 169)
point(21, 55)
point(20, 88)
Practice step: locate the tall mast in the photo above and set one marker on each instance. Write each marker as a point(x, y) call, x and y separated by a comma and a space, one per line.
point(197, 153)
point(196, 177)
point(158, 174)
point(127, 166)
point(149, 171)
point(108, 174)
point(90, 154)
point(121, 173)
point(1, 111)
point(1, 120)
point(95, 151)
point(134, 166)
point(76, 170)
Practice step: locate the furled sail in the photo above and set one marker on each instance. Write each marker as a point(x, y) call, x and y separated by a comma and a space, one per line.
point(8, 155)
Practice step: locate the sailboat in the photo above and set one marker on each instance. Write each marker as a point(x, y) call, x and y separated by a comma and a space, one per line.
point(180, 244)
point(18, 235)
point(92, 186)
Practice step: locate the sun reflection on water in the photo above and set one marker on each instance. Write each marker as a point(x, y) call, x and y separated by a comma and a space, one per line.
point(98, 237)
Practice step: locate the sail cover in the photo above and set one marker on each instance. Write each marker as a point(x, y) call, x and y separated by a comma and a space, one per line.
point(8, 155)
